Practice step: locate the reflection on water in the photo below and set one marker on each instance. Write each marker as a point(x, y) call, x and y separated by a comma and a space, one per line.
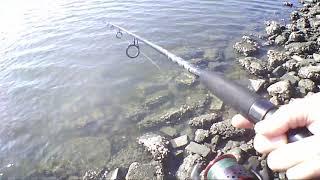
point(70, 98)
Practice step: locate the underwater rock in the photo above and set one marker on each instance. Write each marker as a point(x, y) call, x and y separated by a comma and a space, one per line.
point(281, 89)
point(273, 28)
point(148, 171)
point(156, 145)
point(226, 130)
point(201, 135)
point(194, 54)
point(216, 104)
point(254, 66)
point(276, 58)
point(204, 121)
point(179, 141)
point(200, 149)
point(246, 46)
point(157, 99)
point(186, 167)
point(286, 3)
point(169, 131)
point(185, 79)
point(78, 152)
point(125, 156)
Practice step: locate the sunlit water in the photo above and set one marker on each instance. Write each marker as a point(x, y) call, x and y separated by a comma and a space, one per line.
point(65, 78)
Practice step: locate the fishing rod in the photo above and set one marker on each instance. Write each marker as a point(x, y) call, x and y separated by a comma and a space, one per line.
point(250, 105)
point(255, 108)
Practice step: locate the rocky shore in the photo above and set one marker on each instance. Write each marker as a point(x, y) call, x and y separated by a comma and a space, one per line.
point(179, 134)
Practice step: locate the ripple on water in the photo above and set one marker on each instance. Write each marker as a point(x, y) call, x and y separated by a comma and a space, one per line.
point(66, 84)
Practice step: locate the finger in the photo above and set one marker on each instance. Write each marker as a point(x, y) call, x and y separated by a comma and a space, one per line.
point(239, 121)
point(265, 144)
point(309, 169)
point(289, 155)
point(289, 116)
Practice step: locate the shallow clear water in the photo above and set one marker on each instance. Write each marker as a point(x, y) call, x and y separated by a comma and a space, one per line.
point(64, 76)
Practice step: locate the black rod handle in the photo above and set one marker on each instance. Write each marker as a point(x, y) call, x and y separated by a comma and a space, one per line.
point(247, 103)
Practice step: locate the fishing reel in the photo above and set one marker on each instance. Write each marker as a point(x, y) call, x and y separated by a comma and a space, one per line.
point(225, 167)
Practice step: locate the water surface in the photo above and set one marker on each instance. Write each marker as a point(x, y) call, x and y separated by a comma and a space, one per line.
point(66, 84)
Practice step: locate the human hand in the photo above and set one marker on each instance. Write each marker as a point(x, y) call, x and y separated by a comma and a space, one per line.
point(301, 159)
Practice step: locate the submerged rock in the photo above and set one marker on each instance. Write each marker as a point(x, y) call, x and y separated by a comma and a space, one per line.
point(156, 145)
point(201, 135)
point(281, 89)
point(246, 46)
point(157, 99)
point(226, 130)
point(149, 171)
point(254, 66)
point(185, 79)
point(204, 121)
point(216, 104)
point(169, 131)
point(179, 141)
point(200, 149)
point(186, 167)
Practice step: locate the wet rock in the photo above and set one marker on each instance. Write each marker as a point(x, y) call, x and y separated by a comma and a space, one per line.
point(201, 135)
point(167, 116)
point(256, 84)
point(152, 170)
point(281, 89)
point(125, 156)
point(196, 148)
point(204, 121)
point(302, 47)
point(246, 46)
point(307, 84)
point(274, 100)
point(280, 40)
point(216, 104)
point(179, 141)
point(273, 28)
point(150, 88)
point(291, 65)
point(303, 23)
point(200, 62)
point(279, 71)
point(291, 78)
point(297, 36)
point(157, 99)
point(226, 130)
point(185, 79)
point(254, 66)
point(294, 15)
point(186, 167)
point(211, 54)
point(155, 144)
point(316, 57)
point(310, 72)
point(169, 131)
point(276, 58)
point(289, 4)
